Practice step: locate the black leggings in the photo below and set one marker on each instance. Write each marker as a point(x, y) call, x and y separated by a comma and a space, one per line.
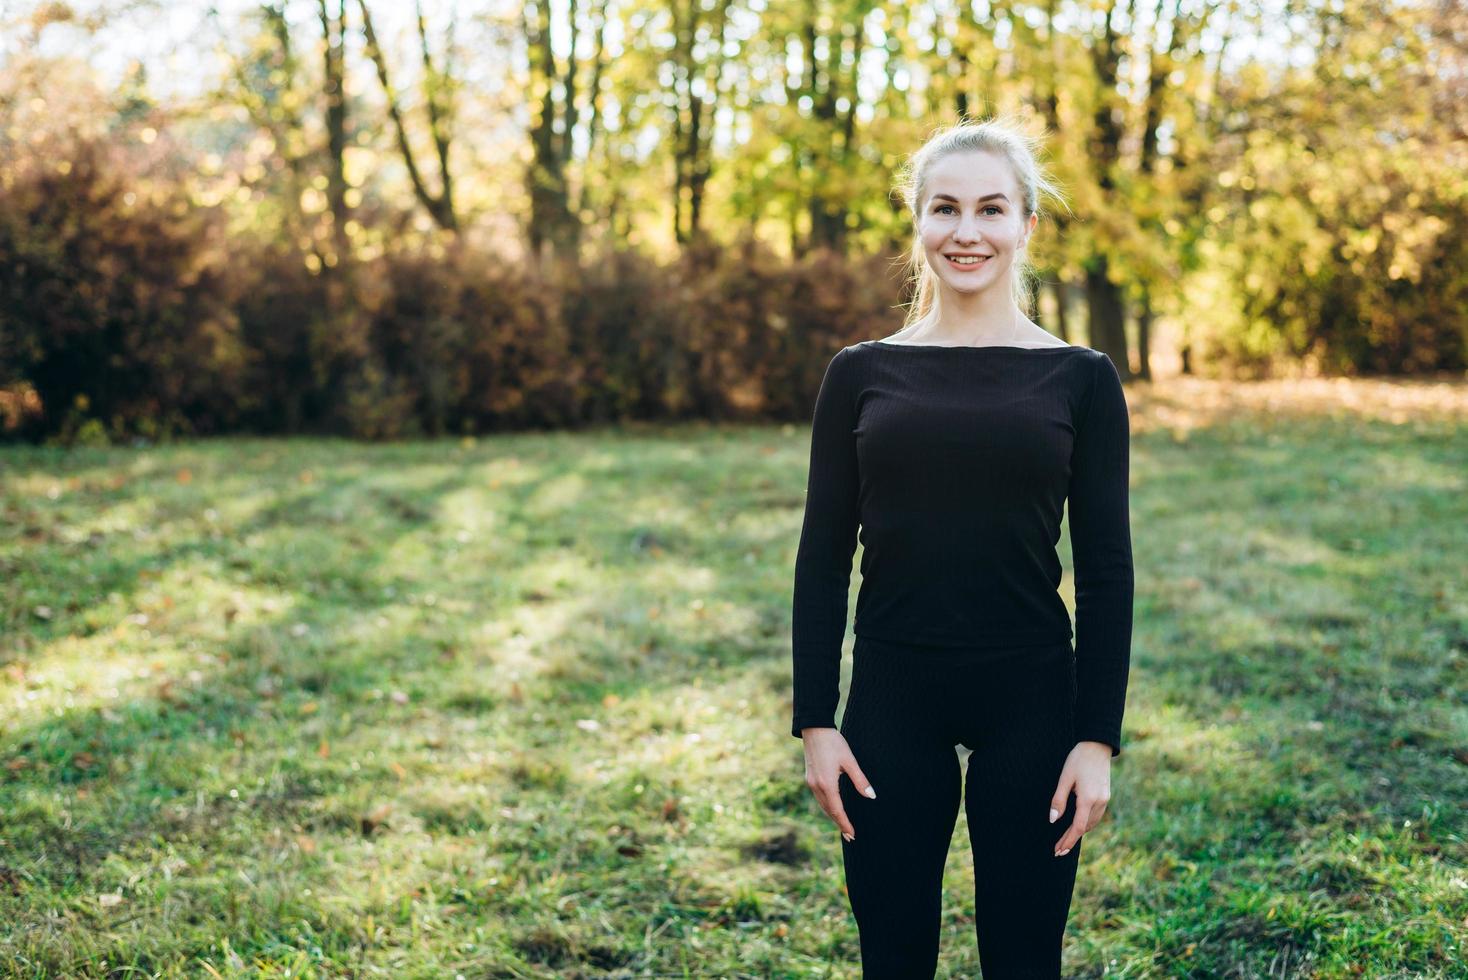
point(908, 708)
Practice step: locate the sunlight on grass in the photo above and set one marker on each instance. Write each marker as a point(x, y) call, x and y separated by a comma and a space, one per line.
point(515, 705)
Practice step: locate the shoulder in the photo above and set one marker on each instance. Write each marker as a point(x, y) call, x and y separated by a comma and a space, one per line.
point(1084, 367)
point(847, 357)
point(1096, 362)
point(1101, 388)
point(840, 371)
point(1103, 367)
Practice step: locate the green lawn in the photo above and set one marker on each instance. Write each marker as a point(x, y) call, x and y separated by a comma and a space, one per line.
point(518, 707)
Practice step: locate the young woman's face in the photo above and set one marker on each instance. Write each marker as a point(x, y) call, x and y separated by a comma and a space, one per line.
point(972, 206)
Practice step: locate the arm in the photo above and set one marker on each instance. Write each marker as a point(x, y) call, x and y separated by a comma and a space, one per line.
point(823, 558)
point(1101, 548)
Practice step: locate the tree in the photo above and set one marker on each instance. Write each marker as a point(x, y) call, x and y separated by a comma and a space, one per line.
point(439, 87)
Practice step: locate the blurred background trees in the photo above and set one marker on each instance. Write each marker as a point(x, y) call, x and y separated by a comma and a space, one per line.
point(389, 219)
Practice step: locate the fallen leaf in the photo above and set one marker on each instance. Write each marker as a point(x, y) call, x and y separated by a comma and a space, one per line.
point(375, 819)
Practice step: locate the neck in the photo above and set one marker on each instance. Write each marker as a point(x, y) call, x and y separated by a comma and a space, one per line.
point(988, 317)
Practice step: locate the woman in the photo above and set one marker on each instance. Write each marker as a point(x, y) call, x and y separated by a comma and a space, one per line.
point(954, 444)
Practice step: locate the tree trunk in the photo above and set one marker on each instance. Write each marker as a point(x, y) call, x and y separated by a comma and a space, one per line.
point(1104, 297)
point(1144, 335)
point(1062, 317)
point(1108, 325)
point(333, 30)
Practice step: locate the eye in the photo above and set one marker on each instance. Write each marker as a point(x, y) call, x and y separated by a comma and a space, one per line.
point(988, 207)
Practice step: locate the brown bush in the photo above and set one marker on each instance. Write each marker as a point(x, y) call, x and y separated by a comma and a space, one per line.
point(114, 304)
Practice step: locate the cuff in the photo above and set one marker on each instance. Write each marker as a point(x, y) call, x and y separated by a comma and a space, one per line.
point(1107, 737)
point(816, 721)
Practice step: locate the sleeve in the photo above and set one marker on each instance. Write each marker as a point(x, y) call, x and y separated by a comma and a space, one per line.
point(1101, 548)
point(823, 559)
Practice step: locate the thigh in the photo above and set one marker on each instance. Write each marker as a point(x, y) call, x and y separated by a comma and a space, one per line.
point(1021, 728)
point(1022, 891)
point(893, 726)
point(894, 867)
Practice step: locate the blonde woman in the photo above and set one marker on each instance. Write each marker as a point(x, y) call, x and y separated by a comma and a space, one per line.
point(954, 446)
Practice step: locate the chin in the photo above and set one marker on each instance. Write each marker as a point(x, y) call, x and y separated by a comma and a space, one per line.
point(977, 284)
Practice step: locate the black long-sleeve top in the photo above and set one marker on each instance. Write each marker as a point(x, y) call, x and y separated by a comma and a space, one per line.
point(956, 464)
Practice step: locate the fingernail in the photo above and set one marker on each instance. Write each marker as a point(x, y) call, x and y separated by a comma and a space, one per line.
point(1061, 854)
point(847, 837)
point(872, 793)
point(1054, 813)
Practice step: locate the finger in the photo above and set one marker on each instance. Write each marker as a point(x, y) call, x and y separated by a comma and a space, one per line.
point(1062, 795)
point(1087, 816)
point(1069, 838)
point(858, 778)
point(1092, 808)
point(837, 812)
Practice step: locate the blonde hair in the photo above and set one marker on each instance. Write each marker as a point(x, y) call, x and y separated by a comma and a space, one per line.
point(1004, 137)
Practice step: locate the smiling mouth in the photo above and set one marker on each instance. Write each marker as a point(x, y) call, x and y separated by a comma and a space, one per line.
point(968, 262)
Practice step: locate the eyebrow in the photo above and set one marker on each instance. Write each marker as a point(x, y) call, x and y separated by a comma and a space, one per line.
point(986, 197)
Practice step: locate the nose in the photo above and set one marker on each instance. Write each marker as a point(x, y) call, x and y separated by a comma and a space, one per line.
point(967, 231)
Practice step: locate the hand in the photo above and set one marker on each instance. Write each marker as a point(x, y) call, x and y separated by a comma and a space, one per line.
point(1087, 770)
point(827, 756)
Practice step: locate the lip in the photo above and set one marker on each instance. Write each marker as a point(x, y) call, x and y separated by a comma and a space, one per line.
point(969, 265)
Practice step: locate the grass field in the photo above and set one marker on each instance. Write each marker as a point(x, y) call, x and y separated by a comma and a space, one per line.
point(519, 707)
